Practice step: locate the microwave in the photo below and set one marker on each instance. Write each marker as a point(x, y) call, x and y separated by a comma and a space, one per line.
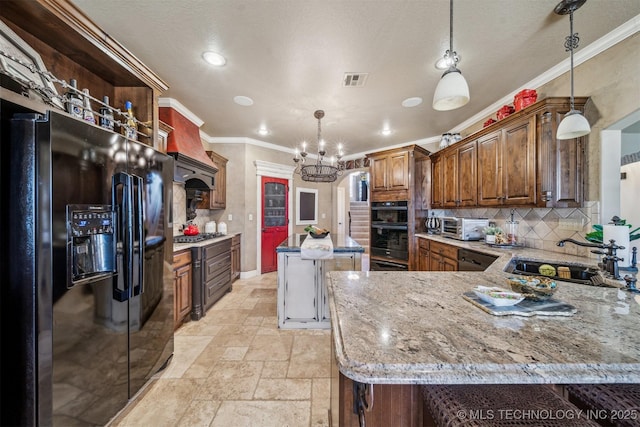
point(464, 228)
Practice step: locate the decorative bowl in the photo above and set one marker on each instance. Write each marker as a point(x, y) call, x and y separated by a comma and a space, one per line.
point(533, 288)
point(318, 235)
point(497, 296)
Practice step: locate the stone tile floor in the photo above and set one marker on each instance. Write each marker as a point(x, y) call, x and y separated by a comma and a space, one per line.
point(234, 367)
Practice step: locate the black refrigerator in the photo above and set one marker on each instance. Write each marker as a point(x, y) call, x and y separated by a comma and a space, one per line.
point(87, 310)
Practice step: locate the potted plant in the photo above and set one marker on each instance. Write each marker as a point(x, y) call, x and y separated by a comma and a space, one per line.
point(490, 233)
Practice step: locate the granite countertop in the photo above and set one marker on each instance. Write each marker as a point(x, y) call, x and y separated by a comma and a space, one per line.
point(177, 247)
point(341, 243)
point(415, 328)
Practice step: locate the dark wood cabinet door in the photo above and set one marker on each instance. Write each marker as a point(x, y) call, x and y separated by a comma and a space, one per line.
point(467, 178)
point(379, 173)
point(182, 293)
point(398, 171)
point(437, 190)
point(519, 162)
point(450, 178)
point(490, 170)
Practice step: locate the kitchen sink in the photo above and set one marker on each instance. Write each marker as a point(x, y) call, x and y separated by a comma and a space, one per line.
point(585, 275)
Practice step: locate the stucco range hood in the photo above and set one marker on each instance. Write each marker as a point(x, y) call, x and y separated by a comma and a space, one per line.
point(192, 166)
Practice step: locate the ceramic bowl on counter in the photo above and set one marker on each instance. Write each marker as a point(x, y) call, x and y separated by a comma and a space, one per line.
point(497, 296)
point(533, 288)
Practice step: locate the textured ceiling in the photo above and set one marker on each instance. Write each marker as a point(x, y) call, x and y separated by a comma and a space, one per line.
point(290, 56)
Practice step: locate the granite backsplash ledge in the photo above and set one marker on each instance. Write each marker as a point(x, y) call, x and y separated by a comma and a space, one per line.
point(542, 228)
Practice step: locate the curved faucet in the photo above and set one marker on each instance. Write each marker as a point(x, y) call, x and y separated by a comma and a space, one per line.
point(589, 245)
point(609, 259)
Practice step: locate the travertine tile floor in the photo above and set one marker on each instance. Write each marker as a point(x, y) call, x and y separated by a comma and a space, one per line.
point(234, 367)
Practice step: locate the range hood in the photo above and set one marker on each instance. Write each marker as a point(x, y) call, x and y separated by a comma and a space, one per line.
point(192, 166)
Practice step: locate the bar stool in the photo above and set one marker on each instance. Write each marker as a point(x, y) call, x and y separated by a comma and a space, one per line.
point(498, 405)
point(612, 404)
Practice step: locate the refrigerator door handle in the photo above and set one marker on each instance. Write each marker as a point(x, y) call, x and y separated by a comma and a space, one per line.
point(125, 232)
point(139, 230)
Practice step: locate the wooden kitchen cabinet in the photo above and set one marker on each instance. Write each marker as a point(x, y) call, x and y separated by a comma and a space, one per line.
point(390, 172)
point(182, 286)
point(72, 46)
point(218, 196)
point(514, 162)
point(235, 257)
point(423, 254)
point(400, 174)
point(437, 184)
point(459, 185)
point(506, 165)
point(442, 257)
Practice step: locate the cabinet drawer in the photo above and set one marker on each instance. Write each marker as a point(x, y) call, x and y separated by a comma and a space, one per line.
point(217, 249)
point(214, 265)
point(423, 243)
point(445, 250)
point(181, 258)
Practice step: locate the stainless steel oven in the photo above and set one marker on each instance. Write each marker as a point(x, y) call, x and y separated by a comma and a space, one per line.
point(389, 233)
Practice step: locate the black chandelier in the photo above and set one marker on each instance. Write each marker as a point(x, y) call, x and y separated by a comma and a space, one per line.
point(322, 170)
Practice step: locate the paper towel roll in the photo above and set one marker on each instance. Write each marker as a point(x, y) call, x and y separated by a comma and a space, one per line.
point(620, 233)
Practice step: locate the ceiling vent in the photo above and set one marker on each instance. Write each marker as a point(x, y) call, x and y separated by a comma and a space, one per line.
point(354, 79)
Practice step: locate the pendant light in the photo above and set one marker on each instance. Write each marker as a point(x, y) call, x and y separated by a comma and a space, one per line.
point(452, 91)
point(574, 124)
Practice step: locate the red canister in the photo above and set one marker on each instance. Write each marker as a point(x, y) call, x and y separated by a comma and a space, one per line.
point(489, 122)
point(505, 111)
point(524, 98)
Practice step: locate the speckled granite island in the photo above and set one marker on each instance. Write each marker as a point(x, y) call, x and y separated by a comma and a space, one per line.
point(409, 328)
point(302, 291)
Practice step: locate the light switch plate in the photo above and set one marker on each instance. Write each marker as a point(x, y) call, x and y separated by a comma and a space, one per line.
point(230, 217)
point(250, 217)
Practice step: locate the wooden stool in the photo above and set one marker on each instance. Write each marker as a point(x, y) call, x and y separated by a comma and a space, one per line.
point(498, 405)
point(610, 404)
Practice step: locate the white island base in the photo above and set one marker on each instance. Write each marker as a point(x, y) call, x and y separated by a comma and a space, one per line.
point(302, 291)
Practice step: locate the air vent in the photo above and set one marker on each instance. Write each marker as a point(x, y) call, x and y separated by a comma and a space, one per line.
point(354, 79)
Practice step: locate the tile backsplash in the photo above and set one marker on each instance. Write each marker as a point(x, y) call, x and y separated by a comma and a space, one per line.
point(180, 211)
point(541, 228)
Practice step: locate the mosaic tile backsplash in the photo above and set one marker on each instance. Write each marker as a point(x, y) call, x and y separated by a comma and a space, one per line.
point(541, 228)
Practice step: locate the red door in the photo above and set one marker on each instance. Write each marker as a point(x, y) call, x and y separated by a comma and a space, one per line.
point(275, 220)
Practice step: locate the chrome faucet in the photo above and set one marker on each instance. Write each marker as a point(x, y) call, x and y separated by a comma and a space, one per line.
point(609, 259)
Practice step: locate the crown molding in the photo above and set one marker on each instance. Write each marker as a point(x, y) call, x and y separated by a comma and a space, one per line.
point(605, 42)
point(176, 105)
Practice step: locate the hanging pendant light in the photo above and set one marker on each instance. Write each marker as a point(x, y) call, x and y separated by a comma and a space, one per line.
point(574, 124)
point(452, 91)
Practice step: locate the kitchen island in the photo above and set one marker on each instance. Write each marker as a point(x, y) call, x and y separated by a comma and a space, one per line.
point(302, 290)
point(399, 330)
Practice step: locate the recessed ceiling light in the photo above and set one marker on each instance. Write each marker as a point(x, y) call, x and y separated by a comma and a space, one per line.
point(386, 131)
point(412, 102)
point(245, 101)
point(214, 58)
point(263, 131)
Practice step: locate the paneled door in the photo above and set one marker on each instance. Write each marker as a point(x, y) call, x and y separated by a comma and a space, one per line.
point(275, 220)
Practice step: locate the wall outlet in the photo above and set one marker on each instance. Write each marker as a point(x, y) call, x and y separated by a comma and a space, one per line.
point(250, 217)
point(230, 217)
point(324, 215)
point(572, 224)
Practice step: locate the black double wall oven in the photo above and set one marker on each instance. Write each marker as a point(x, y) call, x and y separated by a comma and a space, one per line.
point(389, 236)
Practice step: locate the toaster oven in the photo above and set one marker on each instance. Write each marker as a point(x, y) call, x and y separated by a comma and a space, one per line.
point(464, 228)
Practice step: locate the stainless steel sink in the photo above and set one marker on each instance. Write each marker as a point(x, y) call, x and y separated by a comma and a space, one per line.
point(585, 275)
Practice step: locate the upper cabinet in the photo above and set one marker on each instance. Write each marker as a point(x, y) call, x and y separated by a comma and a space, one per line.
point(393, 173)
point(515, 162)
point(506, 165)
point(459, 176)
point(73, 46)
point(218, 196)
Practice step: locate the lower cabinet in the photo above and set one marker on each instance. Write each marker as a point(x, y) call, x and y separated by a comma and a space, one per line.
point(217, 272)
point(235, 257)
point(423, 255)
point(443, 257)
point(302, 291)
point(182, 285)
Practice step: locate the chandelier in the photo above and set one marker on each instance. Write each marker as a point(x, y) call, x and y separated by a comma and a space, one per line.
point(322, 170)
